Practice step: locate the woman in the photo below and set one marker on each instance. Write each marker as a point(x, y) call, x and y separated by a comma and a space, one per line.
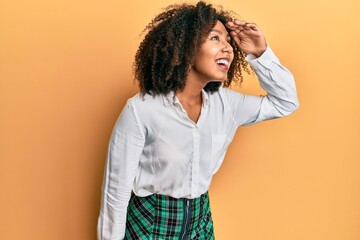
point(171, 138)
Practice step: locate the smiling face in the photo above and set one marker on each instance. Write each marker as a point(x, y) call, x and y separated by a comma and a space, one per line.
point(214, 57)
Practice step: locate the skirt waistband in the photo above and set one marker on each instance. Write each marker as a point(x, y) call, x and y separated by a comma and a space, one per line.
point(194, 201)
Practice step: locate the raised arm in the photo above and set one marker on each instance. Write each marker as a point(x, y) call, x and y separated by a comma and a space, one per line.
point(275, 79)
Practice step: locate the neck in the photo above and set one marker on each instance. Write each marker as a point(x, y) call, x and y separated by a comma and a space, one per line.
point(192, 92)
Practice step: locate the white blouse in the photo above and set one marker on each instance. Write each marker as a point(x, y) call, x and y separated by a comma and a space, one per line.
point(156, 148)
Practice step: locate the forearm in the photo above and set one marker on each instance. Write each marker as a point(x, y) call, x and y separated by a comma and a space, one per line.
point(277, 81)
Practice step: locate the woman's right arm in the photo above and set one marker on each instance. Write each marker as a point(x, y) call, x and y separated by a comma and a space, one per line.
point(125, 148)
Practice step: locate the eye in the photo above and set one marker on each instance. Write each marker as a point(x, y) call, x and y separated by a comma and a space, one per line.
point(216, 38)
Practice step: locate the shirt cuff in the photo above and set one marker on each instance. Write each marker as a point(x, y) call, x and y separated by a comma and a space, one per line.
point(264, 60)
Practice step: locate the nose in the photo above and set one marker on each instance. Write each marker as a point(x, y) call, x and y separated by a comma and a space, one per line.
point(227, 47)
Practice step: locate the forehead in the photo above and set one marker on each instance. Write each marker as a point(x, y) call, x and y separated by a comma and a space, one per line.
point(220, 27)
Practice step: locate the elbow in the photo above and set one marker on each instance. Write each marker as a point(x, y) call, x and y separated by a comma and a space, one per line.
point(295, 105)
point(291, 107)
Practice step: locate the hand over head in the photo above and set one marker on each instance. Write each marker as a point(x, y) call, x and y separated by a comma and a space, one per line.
point(247, 36)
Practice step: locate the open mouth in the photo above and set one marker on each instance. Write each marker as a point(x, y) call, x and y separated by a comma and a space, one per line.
point(223, 63)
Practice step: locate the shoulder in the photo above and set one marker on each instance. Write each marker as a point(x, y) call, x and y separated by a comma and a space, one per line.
point(145, 105)
point(139, 100)
point(226, 94)
point(228, 98)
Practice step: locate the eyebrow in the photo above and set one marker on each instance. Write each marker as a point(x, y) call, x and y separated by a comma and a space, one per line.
point(220, 32)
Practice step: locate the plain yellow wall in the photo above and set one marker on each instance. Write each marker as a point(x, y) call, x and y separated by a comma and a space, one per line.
point(65, 74)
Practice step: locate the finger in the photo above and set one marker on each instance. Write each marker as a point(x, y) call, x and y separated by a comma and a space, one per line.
point(239, 22)
point(235, 27)
point(243, 25)
point(231, 25)
point(252, 26)
point(236, 38)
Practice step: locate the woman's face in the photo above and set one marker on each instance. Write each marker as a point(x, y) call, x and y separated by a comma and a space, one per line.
point(215, 55)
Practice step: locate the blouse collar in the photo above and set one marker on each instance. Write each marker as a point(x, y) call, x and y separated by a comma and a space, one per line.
point(171, 99)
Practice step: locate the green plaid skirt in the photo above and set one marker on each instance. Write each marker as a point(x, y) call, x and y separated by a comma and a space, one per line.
point(167, 218)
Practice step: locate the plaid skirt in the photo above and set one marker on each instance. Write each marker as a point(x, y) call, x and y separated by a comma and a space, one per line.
point(167, 218)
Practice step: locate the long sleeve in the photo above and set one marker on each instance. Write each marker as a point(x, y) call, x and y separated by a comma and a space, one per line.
point(125, 148)
point(281, 99)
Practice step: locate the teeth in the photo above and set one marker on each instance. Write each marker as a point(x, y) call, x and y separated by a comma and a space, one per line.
point(222, 61)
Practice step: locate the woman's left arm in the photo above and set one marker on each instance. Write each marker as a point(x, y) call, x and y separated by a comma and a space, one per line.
point(275, 79)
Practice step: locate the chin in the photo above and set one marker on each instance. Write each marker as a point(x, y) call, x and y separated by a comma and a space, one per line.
point(218, 80)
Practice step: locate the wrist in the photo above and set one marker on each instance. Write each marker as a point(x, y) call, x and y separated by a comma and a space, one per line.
point(260, 51)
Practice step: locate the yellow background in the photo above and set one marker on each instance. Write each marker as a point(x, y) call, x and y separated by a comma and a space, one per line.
point(65, 74)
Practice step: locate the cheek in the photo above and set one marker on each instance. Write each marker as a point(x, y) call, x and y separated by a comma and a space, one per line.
point(208, 49)
point(206, 55)
point(201, 60)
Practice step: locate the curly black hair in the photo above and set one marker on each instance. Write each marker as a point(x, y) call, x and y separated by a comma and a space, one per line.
point(174, 36)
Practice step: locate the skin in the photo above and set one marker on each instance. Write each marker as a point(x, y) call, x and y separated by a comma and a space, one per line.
point(204, 69)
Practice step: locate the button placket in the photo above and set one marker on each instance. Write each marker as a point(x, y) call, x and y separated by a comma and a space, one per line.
point(195, 161)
